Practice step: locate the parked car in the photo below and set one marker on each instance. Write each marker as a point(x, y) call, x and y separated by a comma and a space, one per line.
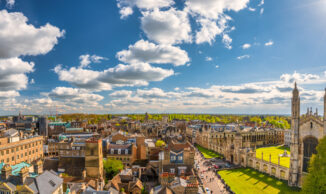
point(216, 166)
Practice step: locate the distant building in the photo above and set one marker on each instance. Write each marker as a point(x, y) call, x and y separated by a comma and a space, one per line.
point(287, 137)
point(43, 126)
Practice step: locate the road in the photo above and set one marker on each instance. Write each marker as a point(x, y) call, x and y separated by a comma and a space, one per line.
point(210, 179)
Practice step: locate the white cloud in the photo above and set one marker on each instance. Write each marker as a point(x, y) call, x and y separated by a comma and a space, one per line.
point(13, 74)
point(87, 59)
point(261, 11)
point(125, 12)
point(32, 81)
point(19, 38)
point(257, 96)
point(246, 46)
point(213, 8)
point(217, 66)
point(166, 27)
point(10, 3)
point(147, 52)
point(251, 9)
point(126, 6)
point(121, 94)
point(269, 43)
point(176, 89)
point(227, 41)
point(243, 57)
point(138, 74)
point(208, 59)
point(209, 29)
point(261, 3)
point(74, 95)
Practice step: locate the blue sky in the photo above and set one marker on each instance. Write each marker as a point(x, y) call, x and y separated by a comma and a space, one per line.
point(130, 56)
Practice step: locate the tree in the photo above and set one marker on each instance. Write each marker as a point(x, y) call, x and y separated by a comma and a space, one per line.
point(315, 181)
point(159, 143)
point(112, 167)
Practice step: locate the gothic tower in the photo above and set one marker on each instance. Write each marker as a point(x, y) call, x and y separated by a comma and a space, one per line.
point(294, 147)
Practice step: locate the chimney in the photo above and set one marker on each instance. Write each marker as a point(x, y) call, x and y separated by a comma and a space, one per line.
point(5, 172)
point(23, 174)
point(38, 167)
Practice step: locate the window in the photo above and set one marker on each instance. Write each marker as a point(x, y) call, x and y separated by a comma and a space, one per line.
point(7, 159)
point(17, 149)
point(13, 158)
point(7, 151)
point(173, 158)
point(172, 170)
point(17, 156)
point(119, 151)
point(126, 151)
point(25, 153)
point(112, 151)
point(179, 157)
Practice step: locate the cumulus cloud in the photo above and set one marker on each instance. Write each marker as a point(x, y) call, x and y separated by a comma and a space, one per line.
point(209, 29)
point(243, 57)
point(260, 96)
point(138, 74)
point(246, 46)
point(126, 6)
point(74, 95)
point(121, 94)
point(212, 8)
point(19, 38)
point(147, 52)
point(13, 74)
point(87, 59)
point(166, 27)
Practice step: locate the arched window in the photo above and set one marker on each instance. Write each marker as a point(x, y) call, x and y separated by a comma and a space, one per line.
point(311, 125)
point(310, 144)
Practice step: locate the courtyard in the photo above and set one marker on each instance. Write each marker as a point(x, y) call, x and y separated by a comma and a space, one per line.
point(275, 151)
point(247, 181)
point(208, 153)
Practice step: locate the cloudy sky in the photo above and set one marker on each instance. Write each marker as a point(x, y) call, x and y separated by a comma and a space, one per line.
point(161, 56)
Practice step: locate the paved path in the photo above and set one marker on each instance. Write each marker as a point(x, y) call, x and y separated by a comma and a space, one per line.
point(210, 179)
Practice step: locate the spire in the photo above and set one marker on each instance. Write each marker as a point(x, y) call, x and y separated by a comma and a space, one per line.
point(295, 90)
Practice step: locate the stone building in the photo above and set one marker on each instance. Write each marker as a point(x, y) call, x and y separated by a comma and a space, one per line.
point(307, 130)
point(28, 149)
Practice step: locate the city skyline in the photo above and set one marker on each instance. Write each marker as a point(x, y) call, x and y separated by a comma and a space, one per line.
point(163, 57)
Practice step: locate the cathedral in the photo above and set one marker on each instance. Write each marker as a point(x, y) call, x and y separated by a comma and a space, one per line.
point(307, 130)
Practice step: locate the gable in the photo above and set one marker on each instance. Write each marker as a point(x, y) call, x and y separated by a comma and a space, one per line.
point(311, 126)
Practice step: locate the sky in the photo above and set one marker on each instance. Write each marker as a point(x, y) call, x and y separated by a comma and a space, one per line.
point(161, 56)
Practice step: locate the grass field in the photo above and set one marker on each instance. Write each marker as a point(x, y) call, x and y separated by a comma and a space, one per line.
point(247, 181)
point(275, 151)
point(208, 153)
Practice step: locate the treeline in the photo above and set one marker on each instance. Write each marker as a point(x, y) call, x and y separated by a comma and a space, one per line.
point(257, 120)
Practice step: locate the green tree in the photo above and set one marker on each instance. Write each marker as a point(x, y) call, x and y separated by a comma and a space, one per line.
point(112, 167)
point(159, 143)
point(315, 181)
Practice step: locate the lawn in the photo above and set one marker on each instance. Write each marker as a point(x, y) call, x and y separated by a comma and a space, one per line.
point(208, 153)
point(247, 181)
point(275, 151)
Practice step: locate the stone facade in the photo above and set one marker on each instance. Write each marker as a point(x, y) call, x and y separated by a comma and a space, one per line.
point(24, 150)
point(307, 130)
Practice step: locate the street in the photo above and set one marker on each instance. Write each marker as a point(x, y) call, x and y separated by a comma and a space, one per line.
point(210, 180)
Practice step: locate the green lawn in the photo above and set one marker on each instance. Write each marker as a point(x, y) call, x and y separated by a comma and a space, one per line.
point(208, 153)
point(275, 151)
point(247, 181)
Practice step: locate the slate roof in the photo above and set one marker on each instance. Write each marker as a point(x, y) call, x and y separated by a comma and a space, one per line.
point(48, 182)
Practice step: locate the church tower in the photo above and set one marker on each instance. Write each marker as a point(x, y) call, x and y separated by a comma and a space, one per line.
point(295, 121)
